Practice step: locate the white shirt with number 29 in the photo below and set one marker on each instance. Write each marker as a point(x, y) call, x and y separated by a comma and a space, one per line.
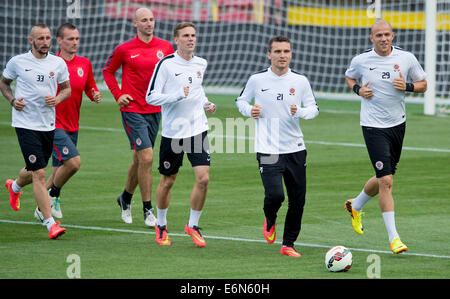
point(386, 108)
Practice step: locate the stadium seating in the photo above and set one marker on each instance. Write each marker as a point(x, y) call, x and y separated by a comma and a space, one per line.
point(235, 15)
point(229, 11)
point(235, 3)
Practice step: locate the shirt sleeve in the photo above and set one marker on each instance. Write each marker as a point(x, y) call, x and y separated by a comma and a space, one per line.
point(90, 83)
point(10, 70)
point(204, 98)
point(245, 98)
point(63, 75)
point(416, 72)
point(353, 70)
point(309, 109)
point(113, 63)
point(155, 95)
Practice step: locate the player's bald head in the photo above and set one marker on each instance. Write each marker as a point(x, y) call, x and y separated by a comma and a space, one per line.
point(380, 24)
point(37, 29)
point(142, 12)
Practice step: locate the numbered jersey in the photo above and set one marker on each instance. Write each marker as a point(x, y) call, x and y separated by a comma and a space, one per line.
point(276, 130)
point(181, 116)
point(386, 108)
point(35, 79)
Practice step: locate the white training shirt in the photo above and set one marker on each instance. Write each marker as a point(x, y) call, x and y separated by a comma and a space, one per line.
point(386, 108)
point(35, 79)
point(277, 131)
point(182, 116)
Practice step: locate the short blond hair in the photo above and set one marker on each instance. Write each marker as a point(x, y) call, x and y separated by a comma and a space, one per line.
point(182, 25)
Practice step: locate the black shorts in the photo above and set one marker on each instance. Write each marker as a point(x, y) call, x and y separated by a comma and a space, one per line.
point(64, 146)
point(141, 128)
point(385, 147)
point(172, 151)
point(36, 147)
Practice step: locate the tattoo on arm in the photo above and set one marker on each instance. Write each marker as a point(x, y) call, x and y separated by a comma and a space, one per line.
point(64, 92)
point(64, 85)
point(5, 88)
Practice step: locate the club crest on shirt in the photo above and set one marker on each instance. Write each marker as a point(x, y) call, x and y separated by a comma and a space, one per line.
point(292, 92)
point(80, 72)
point(396, 68)
point(160, 54)
point(51, 75)
point(199, 74)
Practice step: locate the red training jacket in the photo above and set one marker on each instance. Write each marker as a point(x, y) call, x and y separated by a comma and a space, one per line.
point(138, 60)
point(81, 79)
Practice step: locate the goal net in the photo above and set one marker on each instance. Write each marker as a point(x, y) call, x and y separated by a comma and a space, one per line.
point(233, 34)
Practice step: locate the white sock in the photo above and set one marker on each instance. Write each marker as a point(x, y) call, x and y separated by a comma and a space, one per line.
point(194, 217)
point(359, 202)
point(15, 188)
point(389, 222)
point(49, 222)
point(161, 218)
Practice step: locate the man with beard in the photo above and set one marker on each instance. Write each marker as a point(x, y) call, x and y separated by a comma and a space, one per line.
point(38, 75)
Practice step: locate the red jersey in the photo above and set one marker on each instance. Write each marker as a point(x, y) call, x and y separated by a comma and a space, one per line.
point(138, 60)
point(81, 79)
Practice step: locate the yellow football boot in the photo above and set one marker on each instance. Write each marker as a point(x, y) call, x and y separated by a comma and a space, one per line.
point(356, 217)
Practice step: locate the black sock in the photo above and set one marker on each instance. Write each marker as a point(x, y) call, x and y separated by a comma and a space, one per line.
point(55, 191)
point(270, 223)
point(146, 205)
point(126, 197)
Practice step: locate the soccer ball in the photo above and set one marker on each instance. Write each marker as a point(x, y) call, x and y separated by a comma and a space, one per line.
point(338, 259)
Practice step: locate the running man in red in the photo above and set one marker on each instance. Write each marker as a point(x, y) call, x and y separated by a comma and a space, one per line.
point(65, 157)
point(137, 57)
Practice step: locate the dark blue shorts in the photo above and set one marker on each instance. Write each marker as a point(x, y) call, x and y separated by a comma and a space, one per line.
point(64, 146)
point(141, 129)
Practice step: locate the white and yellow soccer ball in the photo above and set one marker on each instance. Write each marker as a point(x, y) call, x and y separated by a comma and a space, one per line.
point(338, 259)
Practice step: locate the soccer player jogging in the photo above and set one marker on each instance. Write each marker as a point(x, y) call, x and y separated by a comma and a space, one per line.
point(176, 85)
point(137, 57)
point(38, 76)
point(378, 75)
point(281, 97)
point(66, 158)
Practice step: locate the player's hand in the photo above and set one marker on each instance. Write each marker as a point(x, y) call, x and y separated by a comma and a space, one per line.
point(186, 91)
point(293, 109)
point(256, 111)
point(365, 91)
point(97, 96)
point(399, 83)
point(50, 101)
point(124, 100)
point(19, 104)
point(209, 107)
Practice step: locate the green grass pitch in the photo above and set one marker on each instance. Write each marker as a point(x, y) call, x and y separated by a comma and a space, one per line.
point(232, 220)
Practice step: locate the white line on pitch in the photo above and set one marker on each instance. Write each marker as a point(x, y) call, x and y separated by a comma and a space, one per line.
point(407, 148)
point(214, 237)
